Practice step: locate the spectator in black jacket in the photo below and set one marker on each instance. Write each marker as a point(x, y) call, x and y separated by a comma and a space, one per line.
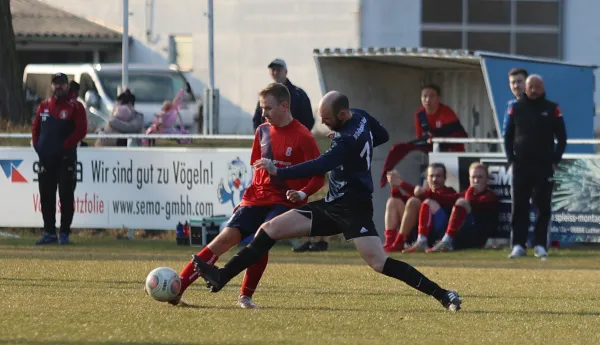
point(533, 124)
point(300, 106)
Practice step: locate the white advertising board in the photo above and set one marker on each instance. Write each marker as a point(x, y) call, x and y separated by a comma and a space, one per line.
point(137, 188)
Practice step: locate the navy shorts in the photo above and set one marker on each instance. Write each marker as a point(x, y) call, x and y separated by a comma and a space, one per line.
point(249, 218)
point(351, 218)
point(439, 222)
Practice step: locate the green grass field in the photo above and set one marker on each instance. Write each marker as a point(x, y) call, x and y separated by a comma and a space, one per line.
point(91, 293)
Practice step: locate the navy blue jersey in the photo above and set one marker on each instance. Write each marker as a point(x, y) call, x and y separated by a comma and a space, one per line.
point(348, 159)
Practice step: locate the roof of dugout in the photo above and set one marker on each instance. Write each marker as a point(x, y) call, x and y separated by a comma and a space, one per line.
point(429, 58)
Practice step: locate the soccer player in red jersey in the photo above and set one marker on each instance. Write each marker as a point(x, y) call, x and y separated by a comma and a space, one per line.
point(473, 215)
point(286, 142)
point(434, 193)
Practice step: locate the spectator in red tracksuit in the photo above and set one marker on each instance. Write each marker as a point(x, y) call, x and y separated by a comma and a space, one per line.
point(435, 189)
point(59, 125)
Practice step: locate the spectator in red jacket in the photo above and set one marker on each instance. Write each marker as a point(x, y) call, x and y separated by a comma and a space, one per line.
point(58, 127)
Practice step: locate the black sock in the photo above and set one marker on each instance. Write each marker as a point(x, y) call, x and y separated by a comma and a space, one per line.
point(408, 274)
point(260, 245)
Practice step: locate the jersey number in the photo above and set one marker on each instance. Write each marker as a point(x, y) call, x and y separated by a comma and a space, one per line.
point(366, 153)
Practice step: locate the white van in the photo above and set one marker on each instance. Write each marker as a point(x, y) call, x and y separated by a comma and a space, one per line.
point(151, 85)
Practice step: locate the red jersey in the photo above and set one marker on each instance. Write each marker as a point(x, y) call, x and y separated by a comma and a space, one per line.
point(285, 146)
point(442, 123)
point(483, 201)
point(445, 196)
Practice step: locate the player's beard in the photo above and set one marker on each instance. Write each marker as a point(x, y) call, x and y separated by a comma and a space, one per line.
point(60, 93)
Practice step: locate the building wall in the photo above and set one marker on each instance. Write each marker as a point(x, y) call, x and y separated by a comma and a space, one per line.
point(247, 35)
point(390, 23)
point(581, 34)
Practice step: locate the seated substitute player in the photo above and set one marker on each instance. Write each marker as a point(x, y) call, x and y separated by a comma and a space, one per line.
point(434, 193)
point(347, 208)
point(285, 141)
point(473, 215)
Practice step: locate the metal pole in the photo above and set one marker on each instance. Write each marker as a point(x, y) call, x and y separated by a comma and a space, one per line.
point(211, 52)
point(211, 70)
point(125, 47)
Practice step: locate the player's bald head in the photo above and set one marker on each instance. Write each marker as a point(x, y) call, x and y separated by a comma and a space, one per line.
point(334, 101)
point(334, 109)
point(534, 86)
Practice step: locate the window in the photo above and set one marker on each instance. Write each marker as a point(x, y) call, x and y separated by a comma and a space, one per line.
point(441, 11)
point(538, 13)
point(86, 84)
point(181, 51)
point(498, 42)
point(489, 12)
point(501, 26)
point(148, 87)
point(441, 39)
point(539, 45)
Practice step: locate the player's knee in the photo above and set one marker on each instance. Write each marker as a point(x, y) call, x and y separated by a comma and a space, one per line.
point(376, 263)
point(462, 202)
point(413, 202)
point(268, 228)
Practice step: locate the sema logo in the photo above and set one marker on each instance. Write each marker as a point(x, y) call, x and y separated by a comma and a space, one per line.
point(9, 167)
point(232, 187)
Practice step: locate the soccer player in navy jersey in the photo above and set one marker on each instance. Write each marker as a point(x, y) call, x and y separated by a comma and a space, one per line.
point(347, 208)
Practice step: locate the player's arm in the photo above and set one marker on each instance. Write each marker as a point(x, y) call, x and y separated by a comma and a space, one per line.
point(257, 118)
point(35, 127)
point(452, 129)
point(560, 132)
point(404, 186)
point(80, 131)
point(256, 153)
point(509, 134)
point(306, 114)
point(444, 199)
point(505, 120)
point(310, 150)
point(418, 128)
point(484, 201)
point(328, 161)
point(380, 134)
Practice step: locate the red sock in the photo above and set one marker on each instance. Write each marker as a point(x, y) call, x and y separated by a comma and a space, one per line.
point(399, 242)
point(188, 275)
point(457, 218)
point(424, 220)
point(390, 236)
point(253, 275)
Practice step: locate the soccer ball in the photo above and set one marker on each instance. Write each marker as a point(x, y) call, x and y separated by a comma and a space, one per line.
point(163, 284)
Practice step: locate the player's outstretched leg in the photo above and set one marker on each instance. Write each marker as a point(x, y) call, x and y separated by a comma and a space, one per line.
point(288, 225)
point(372, 252)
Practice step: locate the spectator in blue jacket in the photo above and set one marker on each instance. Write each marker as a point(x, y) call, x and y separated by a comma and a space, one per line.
point(516, 81)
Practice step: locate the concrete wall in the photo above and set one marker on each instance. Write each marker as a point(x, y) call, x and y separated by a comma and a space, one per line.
point(390, 23)
point(581, 34)
point(248, 34)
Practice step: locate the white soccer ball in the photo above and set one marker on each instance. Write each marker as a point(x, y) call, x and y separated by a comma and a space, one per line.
point(163, 284)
